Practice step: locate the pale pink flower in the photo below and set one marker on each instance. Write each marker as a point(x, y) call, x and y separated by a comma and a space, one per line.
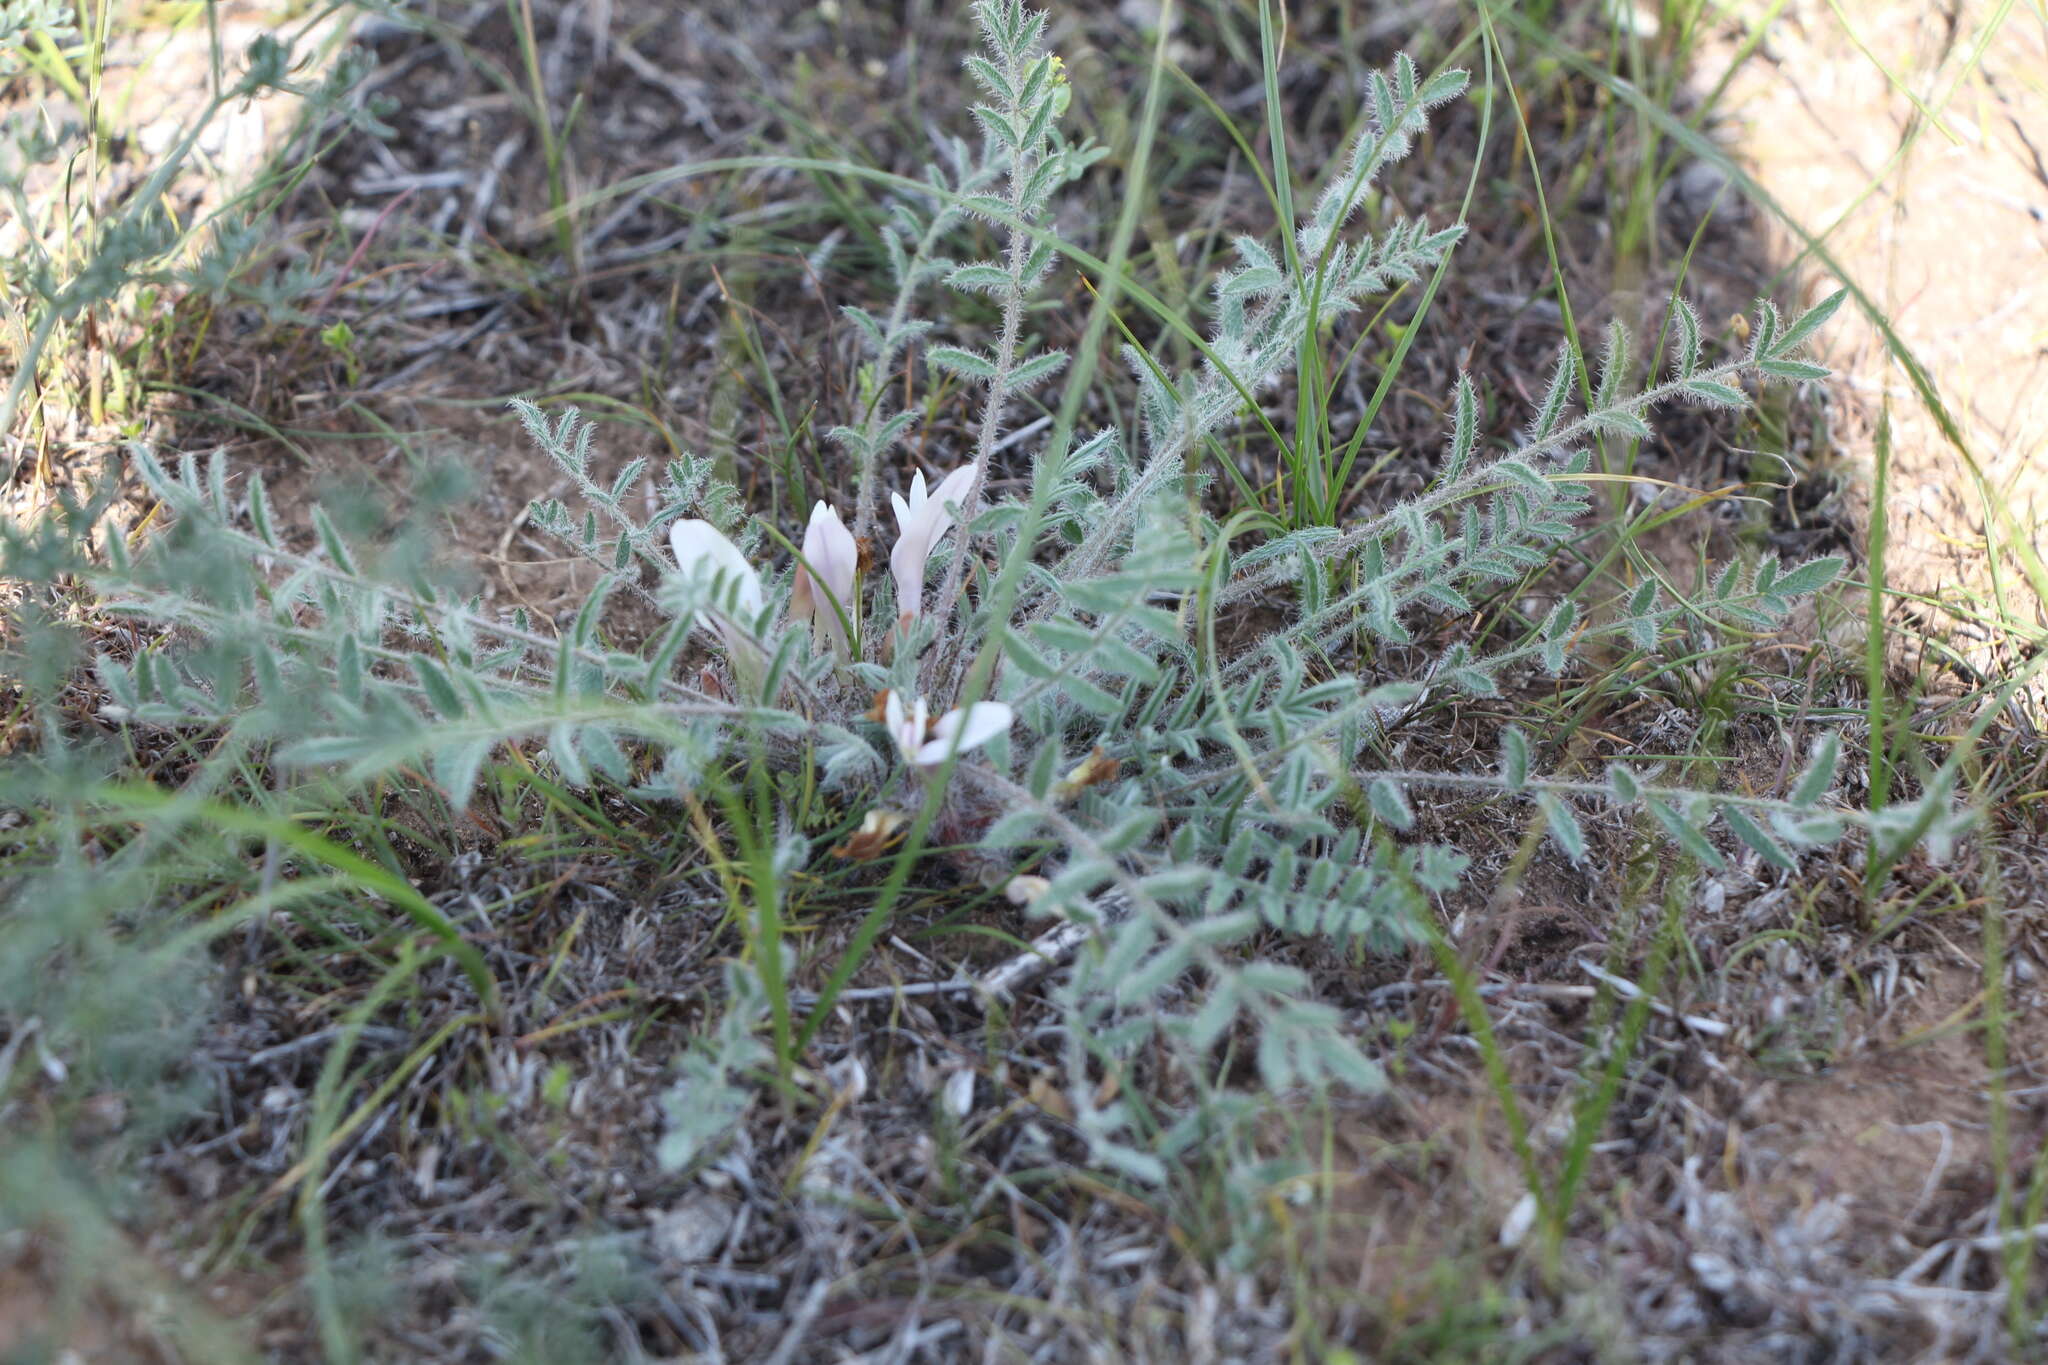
point(926, 744)
point(921, 522)
point(830, 552)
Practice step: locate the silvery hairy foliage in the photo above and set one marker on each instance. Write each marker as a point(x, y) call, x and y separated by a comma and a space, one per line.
point(1040, 674)
point(25, 21)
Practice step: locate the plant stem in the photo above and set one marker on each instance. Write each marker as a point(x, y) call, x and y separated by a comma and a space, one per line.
point(1015, 261)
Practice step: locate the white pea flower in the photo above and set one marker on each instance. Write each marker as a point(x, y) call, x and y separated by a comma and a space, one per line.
point(926, 743)
point(829, 550)
point(704, 554)
point(702, 551)
point(920, 524)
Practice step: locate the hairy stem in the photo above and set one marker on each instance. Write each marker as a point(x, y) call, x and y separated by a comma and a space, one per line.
point(893, 344)
point(1015, 261)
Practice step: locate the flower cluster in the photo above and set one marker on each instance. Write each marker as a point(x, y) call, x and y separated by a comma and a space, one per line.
point(824, 593)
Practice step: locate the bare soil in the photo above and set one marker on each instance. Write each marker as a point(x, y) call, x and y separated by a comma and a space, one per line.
point(1944, 225)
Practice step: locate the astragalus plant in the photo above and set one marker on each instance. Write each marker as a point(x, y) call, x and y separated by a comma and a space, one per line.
point(1047, 678)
